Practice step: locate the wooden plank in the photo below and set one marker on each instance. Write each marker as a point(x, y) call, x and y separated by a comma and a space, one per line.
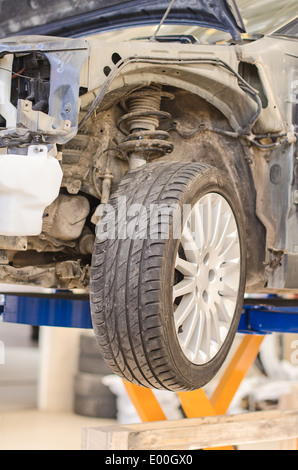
point(289, 402)
point(195, 405)
point(194, 433)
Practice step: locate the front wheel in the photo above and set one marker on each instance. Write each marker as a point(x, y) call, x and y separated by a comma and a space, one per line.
point(168, 280)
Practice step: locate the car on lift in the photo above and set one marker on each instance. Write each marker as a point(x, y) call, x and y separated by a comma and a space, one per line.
point(148, 157)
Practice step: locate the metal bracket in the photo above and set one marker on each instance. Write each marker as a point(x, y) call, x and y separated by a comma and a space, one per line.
point(39, 122)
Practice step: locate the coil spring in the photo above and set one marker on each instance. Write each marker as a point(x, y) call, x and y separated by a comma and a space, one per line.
point(141, 121)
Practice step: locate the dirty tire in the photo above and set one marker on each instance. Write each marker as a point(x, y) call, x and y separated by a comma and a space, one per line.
point(132, 278)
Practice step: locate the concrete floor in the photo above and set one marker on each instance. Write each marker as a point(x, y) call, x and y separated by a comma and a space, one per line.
point(22, 425)
point(33, 429)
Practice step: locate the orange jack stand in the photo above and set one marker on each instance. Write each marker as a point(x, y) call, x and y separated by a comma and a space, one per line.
point(196, 404)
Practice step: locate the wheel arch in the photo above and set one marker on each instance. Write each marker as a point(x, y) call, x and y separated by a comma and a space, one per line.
point(210, 79)
point(228, 154)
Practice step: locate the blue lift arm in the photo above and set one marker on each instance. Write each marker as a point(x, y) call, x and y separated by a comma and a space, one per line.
point(72, 313)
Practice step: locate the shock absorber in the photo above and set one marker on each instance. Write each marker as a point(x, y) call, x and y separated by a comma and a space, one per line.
point(144, 141)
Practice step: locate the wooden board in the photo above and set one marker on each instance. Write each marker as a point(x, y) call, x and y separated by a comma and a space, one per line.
point(194, 433)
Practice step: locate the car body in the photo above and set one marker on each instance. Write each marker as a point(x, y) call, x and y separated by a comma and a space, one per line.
point(228, 99)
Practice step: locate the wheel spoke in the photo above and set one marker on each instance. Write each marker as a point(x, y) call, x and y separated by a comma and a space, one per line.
point(191, 328)
point(183, 287)
point(228, 292)
point(197, 354)
point(215, 327)
point(217, 223)
point(222, 238)
point(209, 221)
point(229, 267)
point(221, 308)
point(203, 341)
point(233, 241)
point(189, 245)
point(207, 334)
point(185, 267)
point(198, 225)
point(184, 309)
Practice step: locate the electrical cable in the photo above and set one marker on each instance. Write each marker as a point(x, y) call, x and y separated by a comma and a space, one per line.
point(20, 74)
point(233, 135)
point(247, 88)
point(243, 84)
point(246, 132)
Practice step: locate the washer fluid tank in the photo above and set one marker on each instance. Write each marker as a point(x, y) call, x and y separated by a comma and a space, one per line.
point(28, 184)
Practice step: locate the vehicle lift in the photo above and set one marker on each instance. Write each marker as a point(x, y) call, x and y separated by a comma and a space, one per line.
point(268, 315)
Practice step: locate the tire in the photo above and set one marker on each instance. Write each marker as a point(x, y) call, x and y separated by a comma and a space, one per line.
point(95, 407)
point(90, 359)
point(93, 365)
point(135, 277)
point(90, 385)
point(88, 345)
point(92, 398)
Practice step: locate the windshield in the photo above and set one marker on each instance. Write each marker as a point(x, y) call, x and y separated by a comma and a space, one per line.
point(266, 16)
point(259, 17)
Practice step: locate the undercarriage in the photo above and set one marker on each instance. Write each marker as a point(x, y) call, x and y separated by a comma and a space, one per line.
point(127, 105)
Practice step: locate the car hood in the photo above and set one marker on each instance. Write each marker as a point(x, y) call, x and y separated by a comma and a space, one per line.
point(76, 18)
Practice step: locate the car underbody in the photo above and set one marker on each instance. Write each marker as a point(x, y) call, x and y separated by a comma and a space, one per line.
point(213, 104)
point(156, 175)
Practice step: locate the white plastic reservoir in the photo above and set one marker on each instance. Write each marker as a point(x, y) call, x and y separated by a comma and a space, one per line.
point(28, 184)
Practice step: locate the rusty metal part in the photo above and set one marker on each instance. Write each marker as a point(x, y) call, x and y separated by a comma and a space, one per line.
point(68, 274)
point(143, 115)
point(86, 242)
point(66, 217)
point(104, 196)
point(13, 243)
